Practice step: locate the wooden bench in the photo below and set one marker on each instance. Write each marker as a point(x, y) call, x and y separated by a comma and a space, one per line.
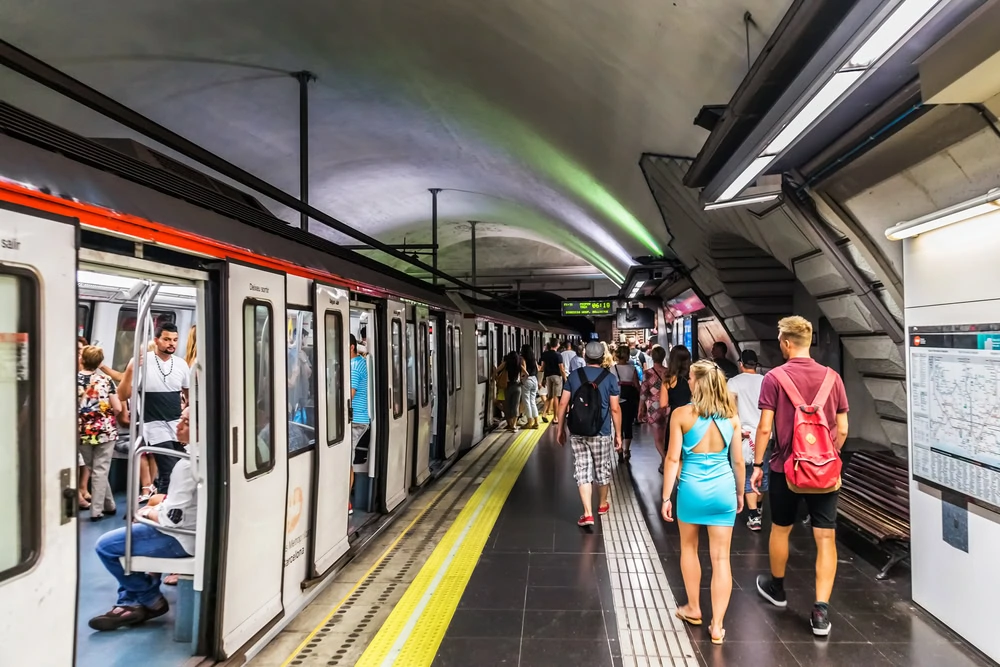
point(875, 502)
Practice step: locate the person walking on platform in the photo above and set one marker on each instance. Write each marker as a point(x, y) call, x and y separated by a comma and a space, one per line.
point(705, 434)
point(745, 388)
point(514, 373)
point(553, 373)
point(649, 399)
point(678, 391)
point(628, 386)
point(593, 417)
point(805, 463)
point(720, 354)
point(529, 388)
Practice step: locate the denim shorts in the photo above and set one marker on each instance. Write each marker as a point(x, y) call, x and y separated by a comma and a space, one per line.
point(767, 478)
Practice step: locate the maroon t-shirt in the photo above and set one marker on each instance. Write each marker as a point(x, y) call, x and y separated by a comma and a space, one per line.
point(807, 375)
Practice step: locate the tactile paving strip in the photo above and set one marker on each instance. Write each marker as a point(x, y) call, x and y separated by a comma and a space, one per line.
point(648, 632)
point(343, 636)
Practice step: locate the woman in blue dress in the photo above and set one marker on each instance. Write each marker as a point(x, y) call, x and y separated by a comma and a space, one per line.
point(706, 435)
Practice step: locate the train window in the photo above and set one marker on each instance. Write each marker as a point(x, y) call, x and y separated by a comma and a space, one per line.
point(83, 319)
point(20, 519)
point(482, 357)
point(334, 377)
point(425, 389)
point(449, 361)
point(301, 383)
point(457, 351)
point(258, 410)
point(125, 336)
point(396, 343)
point(411, 361)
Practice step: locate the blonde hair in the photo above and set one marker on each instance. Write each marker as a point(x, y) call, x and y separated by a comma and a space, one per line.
point(796, 330)
point(192, 346)
point(709, 394)
point(609, 359)
point(91, 357)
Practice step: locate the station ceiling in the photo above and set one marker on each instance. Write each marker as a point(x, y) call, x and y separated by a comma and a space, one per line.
point(531, 115)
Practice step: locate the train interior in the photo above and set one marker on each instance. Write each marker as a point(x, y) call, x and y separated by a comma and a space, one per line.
point(364, 329)
point(109, 303)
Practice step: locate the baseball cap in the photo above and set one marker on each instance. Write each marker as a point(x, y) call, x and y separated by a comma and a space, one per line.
point(594, 351)
point(748, 358)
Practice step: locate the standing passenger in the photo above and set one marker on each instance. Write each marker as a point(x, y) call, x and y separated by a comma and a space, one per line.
point(745, 388)
point(720, 352)
point(553, 373)
point(649, 399)
point(678, 391)
point(592, 452)
point(360, 417)
point(805, 377)
point(628, 386)
point(577, 362)
point(710, 490)
point(568, 353)
point(99, 407)
point(529, 389)
point(514, 369)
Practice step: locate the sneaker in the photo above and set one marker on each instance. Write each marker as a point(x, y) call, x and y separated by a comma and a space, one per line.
point(604, 509)
point(350, 509)
point(753, 522)
point(820, 621)
point(770, 591)
point(585, 520)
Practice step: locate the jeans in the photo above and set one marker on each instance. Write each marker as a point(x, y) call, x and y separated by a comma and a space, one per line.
point(138, 588)
point(98, 459)
point(165, 464)
point(529, 397)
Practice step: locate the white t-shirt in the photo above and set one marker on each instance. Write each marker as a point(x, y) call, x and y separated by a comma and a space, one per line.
point(746, 388)
point(180, 508)
point(567, 356)
point(162, 409)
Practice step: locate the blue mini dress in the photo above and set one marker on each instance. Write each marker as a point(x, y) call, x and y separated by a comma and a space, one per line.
point(706, 493)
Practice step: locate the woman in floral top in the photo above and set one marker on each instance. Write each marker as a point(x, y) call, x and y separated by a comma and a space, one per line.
point(649, 398)
point(99, 408)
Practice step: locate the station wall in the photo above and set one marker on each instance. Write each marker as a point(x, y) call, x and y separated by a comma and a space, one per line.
point(951, 276)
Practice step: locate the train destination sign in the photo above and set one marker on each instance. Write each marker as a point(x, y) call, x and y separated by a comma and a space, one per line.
point(586, 308)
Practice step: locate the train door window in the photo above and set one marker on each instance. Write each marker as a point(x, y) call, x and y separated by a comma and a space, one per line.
point(411, 365)
point(482, 357)
point(425, 389)
point(125, 336)
point(301, 383)
point(258, 456)
point(457, 351)
point(83, 311)
point(449, 365)
point(20, 521)
point(397, 369)
point(334, 377)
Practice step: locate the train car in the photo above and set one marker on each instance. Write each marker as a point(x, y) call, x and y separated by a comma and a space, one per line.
point(266, 315)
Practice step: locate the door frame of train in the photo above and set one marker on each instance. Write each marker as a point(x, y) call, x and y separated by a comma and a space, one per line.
point(438, 322)
point(331, 478)
point(265, 604)
point(43, 247)
point(391, 466)
point(421, 456)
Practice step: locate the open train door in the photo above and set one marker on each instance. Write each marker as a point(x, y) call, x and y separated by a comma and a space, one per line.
point(256, 453)
point(331, 486)
point(395, 462)
point(423, 454)
point(38, 436)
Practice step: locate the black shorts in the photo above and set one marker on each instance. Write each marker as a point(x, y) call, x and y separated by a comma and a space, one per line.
point(785, 504)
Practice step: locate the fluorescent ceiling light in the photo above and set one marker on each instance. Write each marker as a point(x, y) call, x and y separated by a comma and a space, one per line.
point(988, 203)
point(820, 102)
point(749, 174)
point(902, 20)
point(741, 202)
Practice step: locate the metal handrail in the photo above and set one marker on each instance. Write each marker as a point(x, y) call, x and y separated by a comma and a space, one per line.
point(143, 331)
point(153, 449)
point(165, 529)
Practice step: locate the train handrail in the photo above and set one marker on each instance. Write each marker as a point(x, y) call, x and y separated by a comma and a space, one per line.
point(162, 528)
point(194, 446)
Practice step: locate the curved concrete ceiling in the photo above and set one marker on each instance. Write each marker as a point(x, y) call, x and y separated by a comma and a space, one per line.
point(531, 114)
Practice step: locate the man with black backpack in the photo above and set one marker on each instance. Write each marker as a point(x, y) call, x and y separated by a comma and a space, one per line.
point(589, 409)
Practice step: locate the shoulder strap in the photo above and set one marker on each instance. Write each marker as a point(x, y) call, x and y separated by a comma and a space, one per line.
point(600, 378)
point(786, 383)
point(616, 373)
point(826, 388)
point(582, 374)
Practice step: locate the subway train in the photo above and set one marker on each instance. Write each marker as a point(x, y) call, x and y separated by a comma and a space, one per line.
point(108, 239)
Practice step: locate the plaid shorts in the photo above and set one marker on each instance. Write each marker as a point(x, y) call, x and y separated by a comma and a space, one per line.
point(592, 459)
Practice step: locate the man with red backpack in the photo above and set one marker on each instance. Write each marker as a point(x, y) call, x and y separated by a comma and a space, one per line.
point(805, 402)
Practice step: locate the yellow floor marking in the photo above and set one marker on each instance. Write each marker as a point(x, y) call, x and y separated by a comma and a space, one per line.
point(414, 630)
point(382, 557)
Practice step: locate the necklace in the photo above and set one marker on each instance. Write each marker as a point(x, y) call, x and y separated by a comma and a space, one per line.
point(159, 367)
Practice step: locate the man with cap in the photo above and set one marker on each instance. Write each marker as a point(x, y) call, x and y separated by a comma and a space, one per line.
point(592, 455)
point(745, 387)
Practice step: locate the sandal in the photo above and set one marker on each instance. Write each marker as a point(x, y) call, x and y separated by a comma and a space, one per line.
point(718, 640)
point(170, 580)
point(690, 620)
point(147, 493)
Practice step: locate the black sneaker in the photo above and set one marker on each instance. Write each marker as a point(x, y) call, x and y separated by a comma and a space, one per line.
point(820, 621)
point(770, 591)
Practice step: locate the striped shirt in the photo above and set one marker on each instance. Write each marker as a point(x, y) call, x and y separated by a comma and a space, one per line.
point(359, 384)
point(161, 410)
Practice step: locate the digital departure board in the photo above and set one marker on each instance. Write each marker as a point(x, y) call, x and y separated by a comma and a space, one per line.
point(586, 308)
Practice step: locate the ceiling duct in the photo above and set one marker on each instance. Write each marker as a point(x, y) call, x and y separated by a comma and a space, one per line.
point(964, 67)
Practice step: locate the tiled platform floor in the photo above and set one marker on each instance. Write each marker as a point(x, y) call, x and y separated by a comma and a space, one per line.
point(540, 594)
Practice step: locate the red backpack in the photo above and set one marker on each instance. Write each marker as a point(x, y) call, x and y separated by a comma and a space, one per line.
point(814, 465)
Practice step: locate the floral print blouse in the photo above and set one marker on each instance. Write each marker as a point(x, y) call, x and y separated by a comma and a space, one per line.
point(96, 418)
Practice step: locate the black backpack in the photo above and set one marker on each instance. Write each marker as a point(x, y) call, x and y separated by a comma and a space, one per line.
point(586, 416)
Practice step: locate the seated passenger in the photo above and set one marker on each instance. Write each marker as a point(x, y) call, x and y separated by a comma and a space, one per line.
point(139, 597)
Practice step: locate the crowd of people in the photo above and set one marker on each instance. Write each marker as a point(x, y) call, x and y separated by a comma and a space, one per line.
point(726, 436)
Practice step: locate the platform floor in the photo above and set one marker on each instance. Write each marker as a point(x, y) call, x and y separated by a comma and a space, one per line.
point(541, 591)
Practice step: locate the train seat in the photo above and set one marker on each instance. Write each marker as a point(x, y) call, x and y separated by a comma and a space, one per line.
point(184, 569)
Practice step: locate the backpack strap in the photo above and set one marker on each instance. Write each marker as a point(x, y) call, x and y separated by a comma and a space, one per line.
point(582, 374)
point(785, 382)
point(826, 388)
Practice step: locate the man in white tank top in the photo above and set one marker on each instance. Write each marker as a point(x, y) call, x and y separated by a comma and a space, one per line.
point(167, 378)
point(746, 388)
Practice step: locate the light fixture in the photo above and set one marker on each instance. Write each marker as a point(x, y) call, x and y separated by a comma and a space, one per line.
point(636, 288)
point(988, 203)
point(901, 21)
point(744, 201)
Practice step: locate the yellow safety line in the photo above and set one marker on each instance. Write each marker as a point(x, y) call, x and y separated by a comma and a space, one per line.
point(414, 630)
point(378, 561)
